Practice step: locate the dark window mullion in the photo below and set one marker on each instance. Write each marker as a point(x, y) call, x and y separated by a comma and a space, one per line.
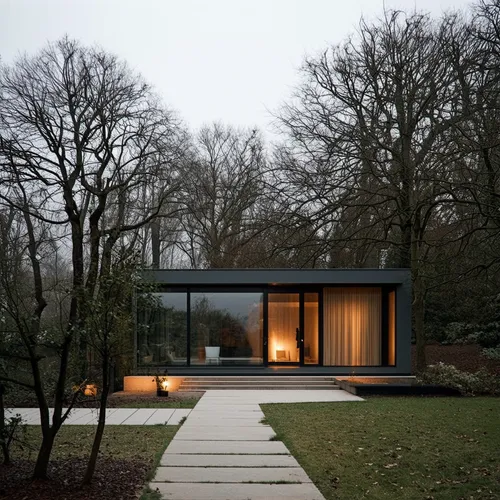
point(188, 328)
point(265, 346)
point(301, 328)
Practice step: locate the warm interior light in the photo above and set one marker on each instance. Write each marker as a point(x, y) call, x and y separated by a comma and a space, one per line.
point(283, 320)
point(352, 326)
point(164, 385)
point(90, 390)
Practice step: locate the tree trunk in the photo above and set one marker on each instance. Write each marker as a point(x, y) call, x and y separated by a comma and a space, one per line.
point(418, 303)
point(42, 461)
point(3, 436)
point(155, 243)
point(89, 473)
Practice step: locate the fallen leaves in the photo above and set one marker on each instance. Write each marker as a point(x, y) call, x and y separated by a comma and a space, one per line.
point(113, 479)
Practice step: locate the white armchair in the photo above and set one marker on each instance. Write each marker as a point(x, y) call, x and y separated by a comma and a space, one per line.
point(212, 355)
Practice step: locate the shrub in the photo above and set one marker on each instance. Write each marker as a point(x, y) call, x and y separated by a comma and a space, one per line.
point(460, 333)
point(469, 384)
point(489, 335)
point(12, 429)
point(492, 353)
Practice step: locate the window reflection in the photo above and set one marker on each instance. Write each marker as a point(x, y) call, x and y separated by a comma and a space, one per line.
point(226, 328)
point(162, 329)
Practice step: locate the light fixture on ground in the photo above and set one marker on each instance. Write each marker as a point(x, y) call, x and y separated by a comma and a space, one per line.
point(161, 386)
point(90, 390)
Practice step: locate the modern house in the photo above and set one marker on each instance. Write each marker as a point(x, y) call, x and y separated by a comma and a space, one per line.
point(230, 321)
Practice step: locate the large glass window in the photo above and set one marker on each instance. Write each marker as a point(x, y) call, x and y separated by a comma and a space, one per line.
point(226, 328)
point(161, 329)
point(352, 326)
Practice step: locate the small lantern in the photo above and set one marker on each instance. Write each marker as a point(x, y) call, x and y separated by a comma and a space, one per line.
point(162, 386)
point(90, 390)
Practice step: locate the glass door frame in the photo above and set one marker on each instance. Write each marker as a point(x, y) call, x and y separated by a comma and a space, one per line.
point(301, 293)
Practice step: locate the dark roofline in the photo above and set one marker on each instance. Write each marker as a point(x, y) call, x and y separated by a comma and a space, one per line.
point(265, 276)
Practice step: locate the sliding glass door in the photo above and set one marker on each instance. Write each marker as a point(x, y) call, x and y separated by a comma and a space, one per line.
point(283, 328)
point(292, 328)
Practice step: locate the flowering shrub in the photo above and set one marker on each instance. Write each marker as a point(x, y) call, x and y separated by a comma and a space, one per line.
point(469, 384)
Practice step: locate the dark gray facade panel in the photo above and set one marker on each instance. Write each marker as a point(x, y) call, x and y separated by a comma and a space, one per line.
point(403, 327)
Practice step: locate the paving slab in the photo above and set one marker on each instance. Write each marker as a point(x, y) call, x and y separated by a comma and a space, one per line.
point(230, 475)
point(178, 415)
point(210, 415)
point(32, 416)
point(199, 491)
point(139, 417)
point(114, 416)
point(119, 416)
point(223, 451)
point(277, 396)
point(169, 460)
point(178, 446)
point(21, 411)
point(160, 416)
point(224, 422)
point(227, 407)
point(225, 433)
point(77, 417)
point(80, 415)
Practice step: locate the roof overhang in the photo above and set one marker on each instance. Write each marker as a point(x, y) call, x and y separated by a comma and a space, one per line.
point(276, 277)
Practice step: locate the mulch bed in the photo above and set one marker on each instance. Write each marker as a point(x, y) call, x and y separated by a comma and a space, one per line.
point(465, 357)
point(117, 400)
point(113, 480)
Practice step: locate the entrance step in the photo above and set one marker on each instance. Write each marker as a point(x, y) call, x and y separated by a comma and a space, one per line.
point(192, 384)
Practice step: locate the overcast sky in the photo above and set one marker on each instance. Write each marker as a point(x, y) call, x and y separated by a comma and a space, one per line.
point(227, 60)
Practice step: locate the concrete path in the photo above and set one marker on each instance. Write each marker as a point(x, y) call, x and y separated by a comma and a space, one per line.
point(223, 452)
point(114, 416)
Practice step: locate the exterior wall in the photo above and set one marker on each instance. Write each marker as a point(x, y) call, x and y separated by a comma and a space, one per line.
point(403, 328)
point(400, 279)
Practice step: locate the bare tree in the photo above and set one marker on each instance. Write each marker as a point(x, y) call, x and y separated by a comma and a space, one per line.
point(368, 133)
point(80, 134)
point(223, 183)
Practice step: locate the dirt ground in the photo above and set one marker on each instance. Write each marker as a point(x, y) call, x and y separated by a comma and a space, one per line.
point(114, 479)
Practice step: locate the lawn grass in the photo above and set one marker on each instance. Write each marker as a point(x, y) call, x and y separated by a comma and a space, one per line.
point(395, 448)
point(120, 442)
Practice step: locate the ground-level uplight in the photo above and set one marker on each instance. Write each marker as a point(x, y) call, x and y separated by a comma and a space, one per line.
point(161, 386)
point(90, 390)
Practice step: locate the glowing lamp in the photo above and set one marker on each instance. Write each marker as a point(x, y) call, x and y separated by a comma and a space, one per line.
point(90, 390)
point(162, 386)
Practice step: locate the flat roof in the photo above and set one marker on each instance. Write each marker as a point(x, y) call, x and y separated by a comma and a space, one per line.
point(193, 277)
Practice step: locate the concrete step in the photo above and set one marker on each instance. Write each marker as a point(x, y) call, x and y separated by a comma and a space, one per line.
point(249, 387)
point(192, 383)
point(199, 383)
point(260, 378)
